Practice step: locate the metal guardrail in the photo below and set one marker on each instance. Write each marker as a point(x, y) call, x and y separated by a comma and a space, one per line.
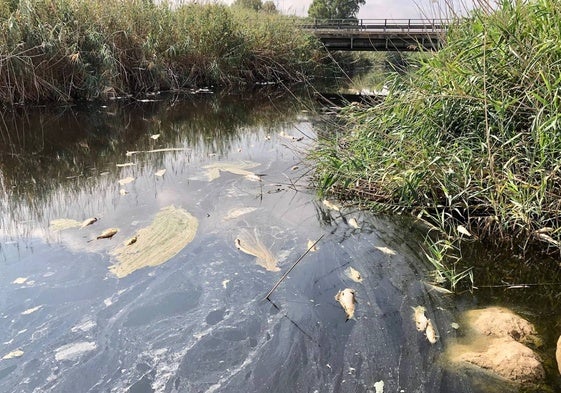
point(381, 25)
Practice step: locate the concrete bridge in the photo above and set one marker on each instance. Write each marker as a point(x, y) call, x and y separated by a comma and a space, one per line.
point(379, 34)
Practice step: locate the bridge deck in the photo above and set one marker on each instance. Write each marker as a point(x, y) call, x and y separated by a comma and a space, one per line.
point(379, 35)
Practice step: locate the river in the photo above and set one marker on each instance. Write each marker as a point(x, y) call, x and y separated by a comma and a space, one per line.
point(196, 182)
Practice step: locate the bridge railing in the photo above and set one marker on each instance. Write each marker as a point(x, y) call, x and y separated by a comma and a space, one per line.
point(403, 25)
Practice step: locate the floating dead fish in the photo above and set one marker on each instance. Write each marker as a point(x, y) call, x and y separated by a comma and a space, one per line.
point(160, 173)
point(14, 354)
point(155, 136)
point(130, 153)
point(130, 241)
point(236, 168)
point(430, 332)
point(88, 221)
point(463, 230)
point(386, 250)
point(420, 319)
point(122, 191)
point(347, 300)
point(331, 205)
point(253, 177)
point(252, 245)
point(379, 387)
point(353, 223)
point(311, 246)
point(295, 168)
point(126, 180)
point(108, 233)
point(20, 280)
point(235, 213)
point(353, 274)
point(126, 164)
point(31, 310)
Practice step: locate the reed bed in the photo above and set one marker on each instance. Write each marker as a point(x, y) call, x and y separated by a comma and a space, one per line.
point(67, 50)
point(471, 142)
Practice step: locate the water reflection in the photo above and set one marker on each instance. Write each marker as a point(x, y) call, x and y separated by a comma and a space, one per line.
point(199, 321)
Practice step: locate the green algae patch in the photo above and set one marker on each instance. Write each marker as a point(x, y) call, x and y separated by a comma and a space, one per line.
point(61, 224)
point(172, 229)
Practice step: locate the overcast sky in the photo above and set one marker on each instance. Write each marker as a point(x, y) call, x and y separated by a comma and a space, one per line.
point(374, 9)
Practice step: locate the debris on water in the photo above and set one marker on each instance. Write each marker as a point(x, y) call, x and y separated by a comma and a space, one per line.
point(88, 221)
point(436, 288)
point(379, 387)
point(63, 223)
point(126, 164)
point(31, 310)
point(430, 332)
point(172, 229)
point(291, 137)
point(108, 233)
point(386, 250)
point(122, 191)
point(311, 246)
point(155, 136)
point(130, 241)
point(295, 168)
point(331, 205)
point(20, 280)
point(126, 180)
point(225, 283)
point(160, 173)
point(237, 168)
point(131, 153)
point(420, 319)
point(235, 213)
point(463, 230)
point(251, 244)
point(353, 223)
point(14, 354)
point(253, 177)
point(347, 300)
point(74, 350)
point(353, 274)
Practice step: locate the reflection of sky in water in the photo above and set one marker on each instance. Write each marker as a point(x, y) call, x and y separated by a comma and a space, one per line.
point(199, 323)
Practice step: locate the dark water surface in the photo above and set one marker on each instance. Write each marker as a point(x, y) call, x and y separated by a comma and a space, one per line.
point(199, 322)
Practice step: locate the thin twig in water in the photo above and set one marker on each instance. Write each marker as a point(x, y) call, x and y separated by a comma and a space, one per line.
point(292, 267)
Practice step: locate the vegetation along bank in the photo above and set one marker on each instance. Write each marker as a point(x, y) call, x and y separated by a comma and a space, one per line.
point(66, 50)
point(470, 142)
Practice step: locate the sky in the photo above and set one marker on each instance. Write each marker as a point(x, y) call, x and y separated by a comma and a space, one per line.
point(383, 9)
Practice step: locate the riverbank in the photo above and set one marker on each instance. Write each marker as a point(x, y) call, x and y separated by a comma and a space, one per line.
point(469, 143)
point(76, 50)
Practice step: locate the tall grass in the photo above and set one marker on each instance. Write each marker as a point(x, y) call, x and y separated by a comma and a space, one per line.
point(67, 50)
point(471, 142)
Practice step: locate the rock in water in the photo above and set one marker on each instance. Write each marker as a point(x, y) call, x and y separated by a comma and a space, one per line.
point(347, 300)
point(108, 233)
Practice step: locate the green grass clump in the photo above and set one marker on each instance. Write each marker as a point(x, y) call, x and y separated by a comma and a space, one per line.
point(471, 142)
point(64, 50)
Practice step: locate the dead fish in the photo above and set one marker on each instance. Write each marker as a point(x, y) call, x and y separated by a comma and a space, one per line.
point(353, 274)
point(88, 221)
point(331, 205)
point(353, 223)
point(126, 180)
point(420, 319)
point(312, 246)
point(108, 233)
point(430, 332)
point(160, 173)
point(122, 191)
point(155, 136)
point(130, 241)
point(347, 300)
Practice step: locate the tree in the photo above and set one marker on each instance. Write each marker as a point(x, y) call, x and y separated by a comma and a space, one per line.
point(269, 7)
point(255, 5)
point(334, 9)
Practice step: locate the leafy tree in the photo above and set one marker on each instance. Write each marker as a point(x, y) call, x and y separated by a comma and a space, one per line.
point(255, 5)
point(269, 7)
point(334, 9)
